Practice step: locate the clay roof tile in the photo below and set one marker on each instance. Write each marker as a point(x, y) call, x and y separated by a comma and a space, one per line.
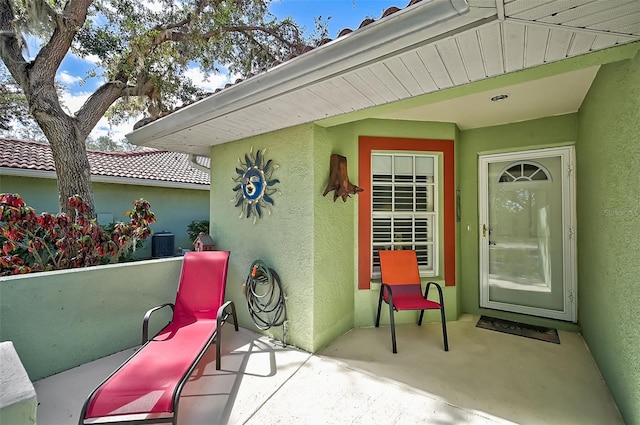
point(144, 165)
point(366, 22)
point(390, 11)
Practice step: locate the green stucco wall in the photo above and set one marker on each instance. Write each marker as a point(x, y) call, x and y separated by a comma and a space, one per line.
point(309, 239)
point(41, 194)
point(366, 301)
point(545, 132)
point(174, 208)
point(62, 319)
point(283, 240)
point(608, 160)
point(334, 245)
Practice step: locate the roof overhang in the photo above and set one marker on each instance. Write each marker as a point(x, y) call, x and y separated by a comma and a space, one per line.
point(428, 48)
point(406, 29)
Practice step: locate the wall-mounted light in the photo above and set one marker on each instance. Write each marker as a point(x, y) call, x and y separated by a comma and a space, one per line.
point(499, 97)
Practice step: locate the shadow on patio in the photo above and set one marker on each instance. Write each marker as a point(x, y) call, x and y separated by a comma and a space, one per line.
point(486, 377)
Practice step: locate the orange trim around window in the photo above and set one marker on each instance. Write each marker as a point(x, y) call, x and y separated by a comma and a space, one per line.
point(366, 144)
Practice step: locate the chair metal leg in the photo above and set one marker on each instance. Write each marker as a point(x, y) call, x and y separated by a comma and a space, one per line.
point(234, 316)
point(444, 327)
point(221, 319)
point(420, 318)
point(218, 351)
point(393, 327)
point(392, 323)
point(391, 319)
point(442, 314)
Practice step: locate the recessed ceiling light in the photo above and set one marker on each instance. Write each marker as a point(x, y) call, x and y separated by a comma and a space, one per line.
point(499, 97)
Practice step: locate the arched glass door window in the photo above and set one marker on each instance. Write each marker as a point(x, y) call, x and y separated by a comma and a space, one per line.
point(524, 171)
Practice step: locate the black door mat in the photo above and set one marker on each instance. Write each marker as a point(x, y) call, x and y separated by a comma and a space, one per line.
point(521, 329)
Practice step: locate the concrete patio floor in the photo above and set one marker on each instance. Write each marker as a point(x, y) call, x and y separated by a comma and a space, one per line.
point(487, 377)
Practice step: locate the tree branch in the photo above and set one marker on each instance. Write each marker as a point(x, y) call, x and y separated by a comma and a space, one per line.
point(136, 91)
point(10, 46)
point(51, 55)
point(249, 29)
point(97, 105)
point(175, 33)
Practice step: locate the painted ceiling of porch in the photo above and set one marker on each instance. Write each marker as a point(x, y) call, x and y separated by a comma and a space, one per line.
point(406, 55)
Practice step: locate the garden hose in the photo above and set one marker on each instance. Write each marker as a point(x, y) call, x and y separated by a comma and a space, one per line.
point(265, 298)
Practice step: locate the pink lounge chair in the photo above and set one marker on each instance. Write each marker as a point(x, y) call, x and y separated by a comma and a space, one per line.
point(146, 388)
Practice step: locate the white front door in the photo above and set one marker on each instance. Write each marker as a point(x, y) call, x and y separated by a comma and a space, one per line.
point(527, 233)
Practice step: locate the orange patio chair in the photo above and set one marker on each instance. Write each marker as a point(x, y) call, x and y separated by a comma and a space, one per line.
point(401, 289)
point(146, 388)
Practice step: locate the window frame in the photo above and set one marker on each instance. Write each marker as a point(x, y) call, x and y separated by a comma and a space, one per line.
point(369, 144)
point(433, 216)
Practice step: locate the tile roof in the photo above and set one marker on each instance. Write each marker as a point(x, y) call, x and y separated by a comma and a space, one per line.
point(154, 165)
point(389, 11)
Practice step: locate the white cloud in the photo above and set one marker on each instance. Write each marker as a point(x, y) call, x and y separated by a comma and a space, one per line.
point(93, 59)
point(114, 132)
point(214, 81)
point(68, 79)
point(154, 6)
point(73, 101)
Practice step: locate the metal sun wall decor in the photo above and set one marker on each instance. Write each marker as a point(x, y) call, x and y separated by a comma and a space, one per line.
point(255, 185)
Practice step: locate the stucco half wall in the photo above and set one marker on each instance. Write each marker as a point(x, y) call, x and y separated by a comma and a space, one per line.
point(61, 319)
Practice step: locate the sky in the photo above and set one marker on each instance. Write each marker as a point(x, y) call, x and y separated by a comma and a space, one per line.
point(339, 14)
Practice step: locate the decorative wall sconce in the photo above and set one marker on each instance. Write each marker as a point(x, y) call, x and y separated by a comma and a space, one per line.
point(254, 185)
point(339, 179)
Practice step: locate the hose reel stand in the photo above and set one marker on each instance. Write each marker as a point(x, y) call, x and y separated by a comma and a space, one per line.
point(265, 298)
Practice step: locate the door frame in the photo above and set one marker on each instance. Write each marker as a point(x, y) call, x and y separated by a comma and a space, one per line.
point(570, 305)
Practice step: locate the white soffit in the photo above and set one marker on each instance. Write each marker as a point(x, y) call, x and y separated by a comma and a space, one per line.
point(557, 95)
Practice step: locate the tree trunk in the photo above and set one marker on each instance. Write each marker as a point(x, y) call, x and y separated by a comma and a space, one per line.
point(72, 166)
point(67, 144)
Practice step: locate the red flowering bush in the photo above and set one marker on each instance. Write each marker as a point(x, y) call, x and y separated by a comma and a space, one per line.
point(33, 243)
